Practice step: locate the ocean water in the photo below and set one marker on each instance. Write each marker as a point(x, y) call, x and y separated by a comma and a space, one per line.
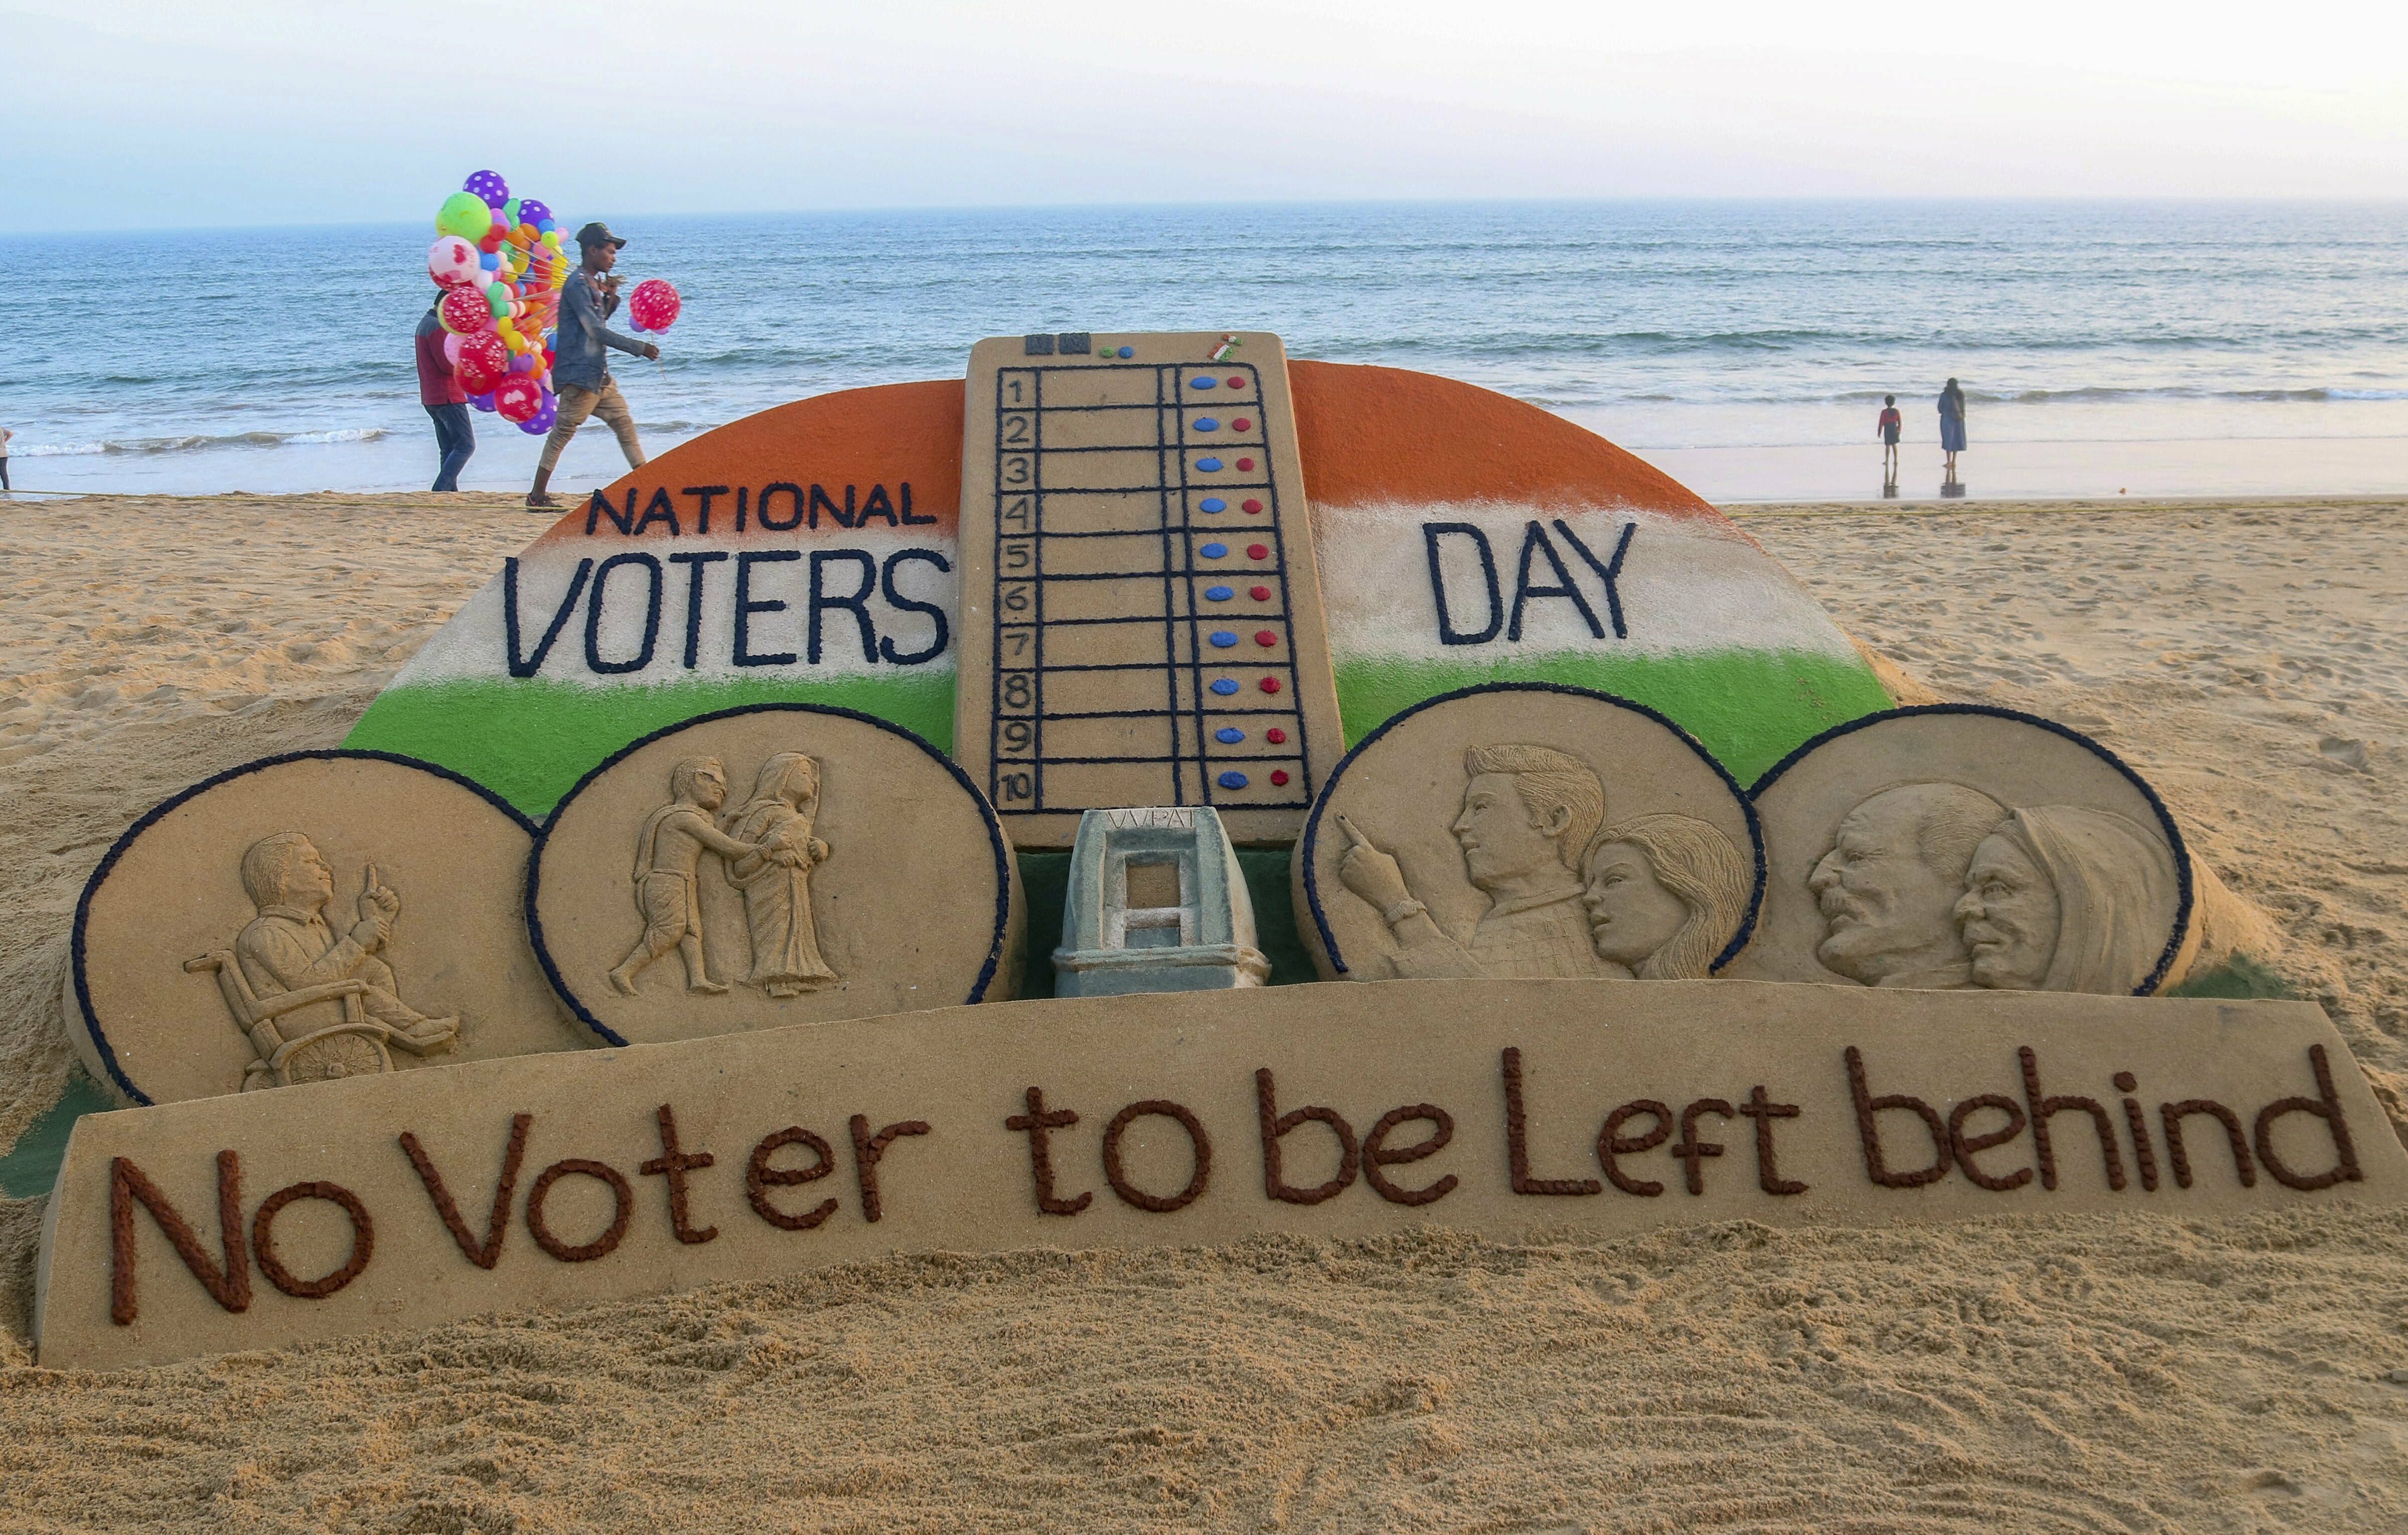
point(2151, 349)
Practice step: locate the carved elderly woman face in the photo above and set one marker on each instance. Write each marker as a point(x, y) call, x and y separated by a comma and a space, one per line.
point(2009, 912)
point(1630, 914)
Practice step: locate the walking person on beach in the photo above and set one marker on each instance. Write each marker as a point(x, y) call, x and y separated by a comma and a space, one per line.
point(1952, 424)
point(5, 435)
point(579, 366)
point(446, 402)
point(1888, 428)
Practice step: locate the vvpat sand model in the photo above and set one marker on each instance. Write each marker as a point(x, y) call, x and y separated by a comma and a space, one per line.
point(727, 682)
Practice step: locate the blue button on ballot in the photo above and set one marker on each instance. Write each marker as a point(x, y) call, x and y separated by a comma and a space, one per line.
point(1212, 503)
point(1128, 352)
point(1218, 594)
point(1206, 423)
point(1213, 551)
point(1233, 780)
point(1199, 382)
point(1228, 735)
point(1224, 686)
point(1210, 466)
point(1224, 638)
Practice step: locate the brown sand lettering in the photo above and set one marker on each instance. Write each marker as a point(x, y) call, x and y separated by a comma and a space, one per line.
point(1869, 1129)
point(263, 1238)
point(622, 1194)
point(760, 1177)
point(1760, 1108)
point(869, 1149)
point(1039, 1122)
point(674, 1164)
point(2043, 1107)
point(229, 1285)
point(1376, 1153)
point(1612, 1143)
point(1275, 1126)
point(2144, 1155)
point(486, 1253)
point(2324, 1106)
point(2173, 1114)
point(1693, 1152)
point(1966, 1145)
point(1118, 1178)
point(1517, 1140)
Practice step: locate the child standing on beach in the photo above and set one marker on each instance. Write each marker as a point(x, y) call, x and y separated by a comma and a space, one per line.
point(1890, 424)
point(586, 387)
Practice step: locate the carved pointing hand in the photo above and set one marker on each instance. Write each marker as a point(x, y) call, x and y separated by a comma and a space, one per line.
point(1369, 872)
point(379, 904)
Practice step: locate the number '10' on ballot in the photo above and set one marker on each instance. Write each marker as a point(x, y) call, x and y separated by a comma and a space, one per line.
point(1141, 621)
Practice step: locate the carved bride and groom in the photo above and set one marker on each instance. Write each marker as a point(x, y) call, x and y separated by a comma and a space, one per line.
point(765, 850)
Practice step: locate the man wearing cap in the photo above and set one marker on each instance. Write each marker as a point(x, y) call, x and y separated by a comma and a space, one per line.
point(578, 369)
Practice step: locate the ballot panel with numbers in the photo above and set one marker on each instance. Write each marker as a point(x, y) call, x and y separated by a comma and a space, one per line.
point(1141, 621)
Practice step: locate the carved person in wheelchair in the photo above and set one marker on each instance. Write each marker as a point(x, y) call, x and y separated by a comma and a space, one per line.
point(316, 1004)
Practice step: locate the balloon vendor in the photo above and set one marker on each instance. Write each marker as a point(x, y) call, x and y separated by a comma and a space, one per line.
point(586, 388)
point(498, 266)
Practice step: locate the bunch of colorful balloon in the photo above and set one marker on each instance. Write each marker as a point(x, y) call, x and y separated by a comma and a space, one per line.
point(499, 261)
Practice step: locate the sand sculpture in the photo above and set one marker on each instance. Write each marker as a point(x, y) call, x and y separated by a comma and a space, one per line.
point(1959, 846)
point(305, 919)
point(1201, 1116)
point(1527, 831)
point(729, 681)
point(1140, 613)
point(859, 872)
point(1156, 902)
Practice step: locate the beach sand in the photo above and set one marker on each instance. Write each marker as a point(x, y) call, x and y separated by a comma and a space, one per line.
point(2103, 1373)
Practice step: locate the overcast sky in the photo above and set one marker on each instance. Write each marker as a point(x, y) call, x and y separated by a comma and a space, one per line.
point(123, 113)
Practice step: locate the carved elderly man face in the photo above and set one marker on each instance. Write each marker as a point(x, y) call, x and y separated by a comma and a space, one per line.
point(1888, 887)
point(1501, 839)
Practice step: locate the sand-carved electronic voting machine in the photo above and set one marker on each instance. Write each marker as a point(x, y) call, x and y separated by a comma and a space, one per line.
point(1140, 616)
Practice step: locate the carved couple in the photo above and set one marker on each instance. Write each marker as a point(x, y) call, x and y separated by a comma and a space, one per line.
point(767, 851)
point(1655, 897)
point(1940, 886)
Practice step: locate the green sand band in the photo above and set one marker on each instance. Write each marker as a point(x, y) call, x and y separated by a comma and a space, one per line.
point(529, 741)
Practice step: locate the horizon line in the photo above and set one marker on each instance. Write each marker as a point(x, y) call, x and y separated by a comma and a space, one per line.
point(1137, 205)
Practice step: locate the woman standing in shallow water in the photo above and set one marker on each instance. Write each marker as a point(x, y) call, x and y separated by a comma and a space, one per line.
point(1952, 424)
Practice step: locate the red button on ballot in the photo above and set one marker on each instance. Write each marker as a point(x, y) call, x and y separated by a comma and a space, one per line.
point(1266, 638)
point(1270, 684)
point(1275, 736)
point(1258, 552)
point(1245, 463)
point(1236, 383)
point(1279, 776)
point(1260, 594)
point(1251, 504)
point(1241, 424)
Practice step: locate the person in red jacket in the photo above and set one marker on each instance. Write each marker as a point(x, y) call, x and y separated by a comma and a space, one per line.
point(1890, 424)
point(439, 391)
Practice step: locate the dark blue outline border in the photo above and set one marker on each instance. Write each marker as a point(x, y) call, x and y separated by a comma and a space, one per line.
point(1309, 840)
point(90, 1018)
point(1002, 844)
point(2183, 909)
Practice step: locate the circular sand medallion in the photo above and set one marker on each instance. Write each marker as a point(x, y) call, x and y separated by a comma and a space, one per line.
point(1959, 846)
point(307, 917)
point(780, 864)
point(1528, 829)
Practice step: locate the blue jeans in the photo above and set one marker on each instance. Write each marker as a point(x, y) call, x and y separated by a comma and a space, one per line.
point(455, 439)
